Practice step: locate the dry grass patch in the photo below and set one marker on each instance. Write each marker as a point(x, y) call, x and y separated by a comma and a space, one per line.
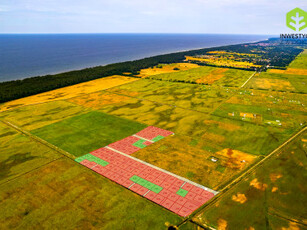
point(213, 76)
point(239, 197)
point(236, 158)
point(292, 226)
point(266, 83)
point(275, 176)
point(258, 185)
point(222, 224)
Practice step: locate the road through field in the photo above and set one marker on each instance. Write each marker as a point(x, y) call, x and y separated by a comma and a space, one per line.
point(35, 138)
point(233, 183)
point(248, 79)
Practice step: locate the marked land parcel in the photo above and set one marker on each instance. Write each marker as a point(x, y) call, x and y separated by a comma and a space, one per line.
point(168, 190)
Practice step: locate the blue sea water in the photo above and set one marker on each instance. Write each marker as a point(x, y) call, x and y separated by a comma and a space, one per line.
point(27, 55)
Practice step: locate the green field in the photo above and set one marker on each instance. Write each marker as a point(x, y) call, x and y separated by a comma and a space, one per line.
point(20, 154)
point(266, 108)
point(300, 62)
point(195, 97)
point(168, 117)
point(244, 136)
point(183, 156)
point(273, 197)
point(36, 116)
point(84, 133)
point(234, 78)
point(212, 132)
point(279, 82)
point(187, 76)
point(66, 195)
point(209, 75)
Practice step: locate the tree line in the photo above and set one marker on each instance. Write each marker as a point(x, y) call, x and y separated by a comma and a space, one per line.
point(11, 90)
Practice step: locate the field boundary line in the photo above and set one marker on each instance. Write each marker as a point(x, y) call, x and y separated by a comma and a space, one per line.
point(236, 181)
point(30, 171)
point(274, 212)
point(267, 157)
point(248, 79)
point(36, 138)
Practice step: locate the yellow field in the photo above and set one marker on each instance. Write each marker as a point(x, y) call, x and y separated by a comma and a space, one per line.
point(98, 100)
point(232, 53)
point(213, 76)
point(223, 62)
point(289, 71)
point(278, 84)
point(69, 91)
point(169, 68)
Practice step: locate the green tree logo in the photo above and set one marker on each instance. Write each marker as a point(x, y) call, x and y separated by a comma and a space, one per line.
point(297, 19)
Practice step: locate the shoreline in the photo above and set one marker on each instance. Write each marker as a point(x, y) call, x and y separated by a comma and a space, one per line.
point(11, 90)
point(130, 60)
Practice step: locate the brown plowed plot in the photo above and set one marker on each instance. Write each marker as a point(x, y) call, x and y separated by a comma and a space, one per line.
point(178, 155)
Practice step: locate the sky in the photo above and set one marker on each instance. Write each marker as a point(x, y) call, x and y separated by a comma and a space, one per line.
point(144, 16)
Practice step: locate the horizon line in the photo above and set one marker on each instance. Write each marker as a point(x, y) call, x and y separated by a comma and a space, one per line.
point(55, 33)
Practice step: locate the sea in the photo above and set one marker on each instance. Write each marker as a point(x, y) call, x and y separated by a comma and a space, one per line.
point(28, 55)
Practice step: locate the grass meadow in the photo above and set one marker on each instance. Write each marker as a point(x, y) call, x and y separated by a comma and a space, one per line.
point(66, 195)
point(20, 154)
point(82, 134)
point(272, 197)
